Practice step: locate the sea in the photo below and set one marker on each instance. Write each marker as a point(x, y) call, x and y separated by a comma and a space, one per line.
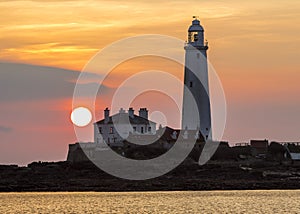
point(260, 201)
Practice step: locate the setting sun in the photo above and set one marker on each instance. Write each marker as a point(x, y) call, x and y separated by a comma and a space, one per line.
point(81, 116)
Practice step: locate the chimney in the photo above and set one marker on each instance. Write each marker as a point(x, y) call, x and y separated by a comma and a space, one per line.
point(143, 112)
point(106, 115)
point(131, 112)
point(121, 111)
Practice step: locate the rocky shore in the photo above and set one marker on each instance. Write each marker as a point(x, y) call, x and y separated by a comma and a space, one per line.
point(215, 175)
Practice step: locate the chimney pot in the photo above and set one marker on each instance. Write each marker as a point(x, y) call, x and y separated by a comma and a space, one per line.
point(131, 112)
point(143, 112)
point(106, 115)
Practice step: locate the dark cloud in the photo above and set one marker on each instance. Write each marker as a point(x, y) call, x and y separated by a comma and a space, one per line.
point(21, 82)
point(5, 129)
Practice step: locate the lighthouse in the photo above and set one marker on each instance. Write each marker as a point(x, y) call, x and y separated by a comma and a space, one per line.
point(196, 112)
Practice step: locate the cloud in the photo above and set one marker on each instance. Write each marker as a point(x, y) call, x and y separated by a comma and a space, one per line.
point(21, 82)
point(5, 129)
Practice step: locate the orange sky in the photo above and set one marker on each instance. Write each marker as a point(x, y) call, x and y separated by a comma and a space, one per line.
point(254, 47)
point(67, 33)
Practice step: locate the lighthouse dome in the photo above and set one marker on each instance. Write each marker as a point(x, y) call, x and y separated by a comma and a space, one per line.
point(196, 27)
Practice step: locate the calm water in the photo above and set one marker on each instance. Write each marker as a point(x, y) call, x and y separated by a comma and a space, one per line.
point(153, 202)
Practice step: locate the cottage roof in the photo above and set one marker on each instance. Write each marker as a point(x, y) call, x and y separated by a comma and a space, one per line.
point(121, 118)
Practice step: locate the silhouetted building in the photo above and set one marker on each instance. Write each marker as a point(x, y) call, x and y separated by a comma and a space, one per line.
point(259, 147)
point(292, 151)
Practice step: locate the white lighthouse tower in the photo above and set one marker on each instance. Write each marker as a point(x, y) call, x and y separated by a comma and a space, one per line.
point(196, 83)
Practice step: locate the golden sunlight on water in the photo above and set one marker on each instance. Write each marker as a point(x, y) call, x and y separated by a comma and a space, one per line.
point(283, 201)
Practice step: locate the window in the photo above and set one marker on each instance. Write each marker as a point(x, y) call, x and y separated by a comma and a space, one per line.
point(191, 84)
point(149, 129)
point(193, 37)
point(100, 130)
point(190, 37)
point(134, 129)
point(142, 130)
point(111, 130)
